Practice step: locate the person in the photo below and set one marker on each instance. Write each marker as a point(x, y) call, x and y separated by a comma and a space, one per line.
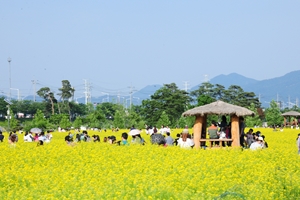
point(69, 138)
point(175, 143)
point(36, 137)
point(96, 138)
point(298, 143)
point(213, 132)
point(111, 139)
point(13, 138)
point(168, 129)
point(154, 129)
point(222, 135)
point(1, 136)
point(242, 131)
point(169, 140)
point(265, 144)
point(249, 137)
point(48, 136)
point(124, 141)
point(258, 144)
point(157, 139)
point(105, 139)
point(137, 139)
point(42, 137)
point(223, 122)
point(185, 141)
point(28, 137)
point(162, 130)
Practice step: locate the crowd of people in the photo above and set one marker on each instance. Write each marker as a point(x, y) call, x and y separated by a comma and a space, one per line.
point(250, 140)
point(40, 138)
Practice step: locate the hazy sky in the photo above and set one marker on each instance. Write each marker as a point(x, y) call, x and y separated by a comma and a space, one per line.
point(116, 44)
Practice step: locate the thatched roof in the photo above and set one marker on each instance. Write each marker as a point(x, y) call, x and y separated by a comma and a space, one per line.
point(218, 108)
point(291, 113)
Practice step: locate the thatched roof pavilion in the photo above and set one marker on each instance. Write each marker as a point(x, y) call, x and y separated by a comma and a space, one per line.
point(290, 114)
point(217, 108)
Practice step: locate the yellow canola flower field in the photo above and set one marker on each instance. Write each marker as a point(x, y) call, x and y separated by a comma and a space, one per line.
point(103, 171)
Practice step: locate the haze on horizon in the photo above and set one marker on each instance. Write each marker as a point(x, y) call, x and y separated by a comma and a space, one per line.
point(115, 45)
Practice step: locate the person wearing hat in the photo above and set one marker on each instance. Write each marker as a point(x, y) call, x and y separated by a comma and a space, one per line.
point(258, 144)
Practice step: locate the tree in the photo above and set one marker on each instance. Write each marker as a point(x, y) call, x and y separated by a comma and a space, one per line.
point(66, 93)
point(119, 119)
point(204, 99)
point(77, 122)
point(273, 114)
point(95, 118)
point(255, 120)
point(13, 122)
point(163, 120)
point(169, 99)
point(39, 120)
point(48, 96)
point(206, 88)
point(65, 122)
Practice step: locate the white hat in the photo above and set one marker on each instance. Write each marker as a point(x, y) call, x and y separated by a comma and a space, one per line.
point(261, 138)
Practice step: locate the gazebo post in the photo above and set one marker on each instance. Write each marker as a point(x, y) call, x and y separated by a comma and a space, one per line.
point(284, 121)
point(197, 130)
point(235, 131)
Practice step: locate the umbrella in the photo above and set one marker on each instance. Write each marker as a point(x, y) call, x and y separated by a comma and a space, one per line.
point(157, 138)
point(134, 132)
point(35, 130)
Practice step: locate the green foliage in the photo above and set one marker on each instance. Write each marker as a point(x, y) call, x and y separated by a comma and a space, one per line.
point(169, 99)
point(95, 118)
point(163, 120)
point(181, 122)
point(39, 120)
point(255, 120)
point(13, 122)
point(56, 119)
point(134, 119)
point(65, 122)
point(119, 120)
point(233, 95)
point(204, 99)
point(273, 114)
point(77, 122)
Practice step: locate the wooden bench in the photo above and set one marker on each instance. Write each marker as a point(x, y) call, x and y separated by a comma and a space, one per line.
point(215, 140)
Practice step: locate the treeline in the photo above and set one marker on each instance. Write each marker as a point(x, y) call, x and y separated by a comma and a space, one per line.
point(164, 107)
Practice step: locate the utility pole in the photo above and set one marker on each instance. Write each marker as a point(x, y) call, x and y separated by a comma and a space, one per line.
point(9, 61)
point(34, 91)
point(87, 92)
point(18, 92)
point(130, 94)
point(186, 84)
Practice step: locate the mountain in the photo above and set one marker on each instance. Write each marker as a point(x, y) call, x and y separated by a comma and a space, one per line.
point(230, 79)
point(284, 89)
point(147, 91)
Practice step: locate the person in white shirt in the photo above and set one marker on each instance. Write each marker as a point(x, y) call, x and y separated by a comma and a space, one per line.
point(28, 137)
point(48, 137)
point(42, 137)
point(162, 130)
point(184, 141)
point(258, 144)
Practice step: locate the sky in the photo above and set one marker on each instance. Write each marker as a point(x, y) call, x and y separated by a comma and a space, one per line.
point(122, 46)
